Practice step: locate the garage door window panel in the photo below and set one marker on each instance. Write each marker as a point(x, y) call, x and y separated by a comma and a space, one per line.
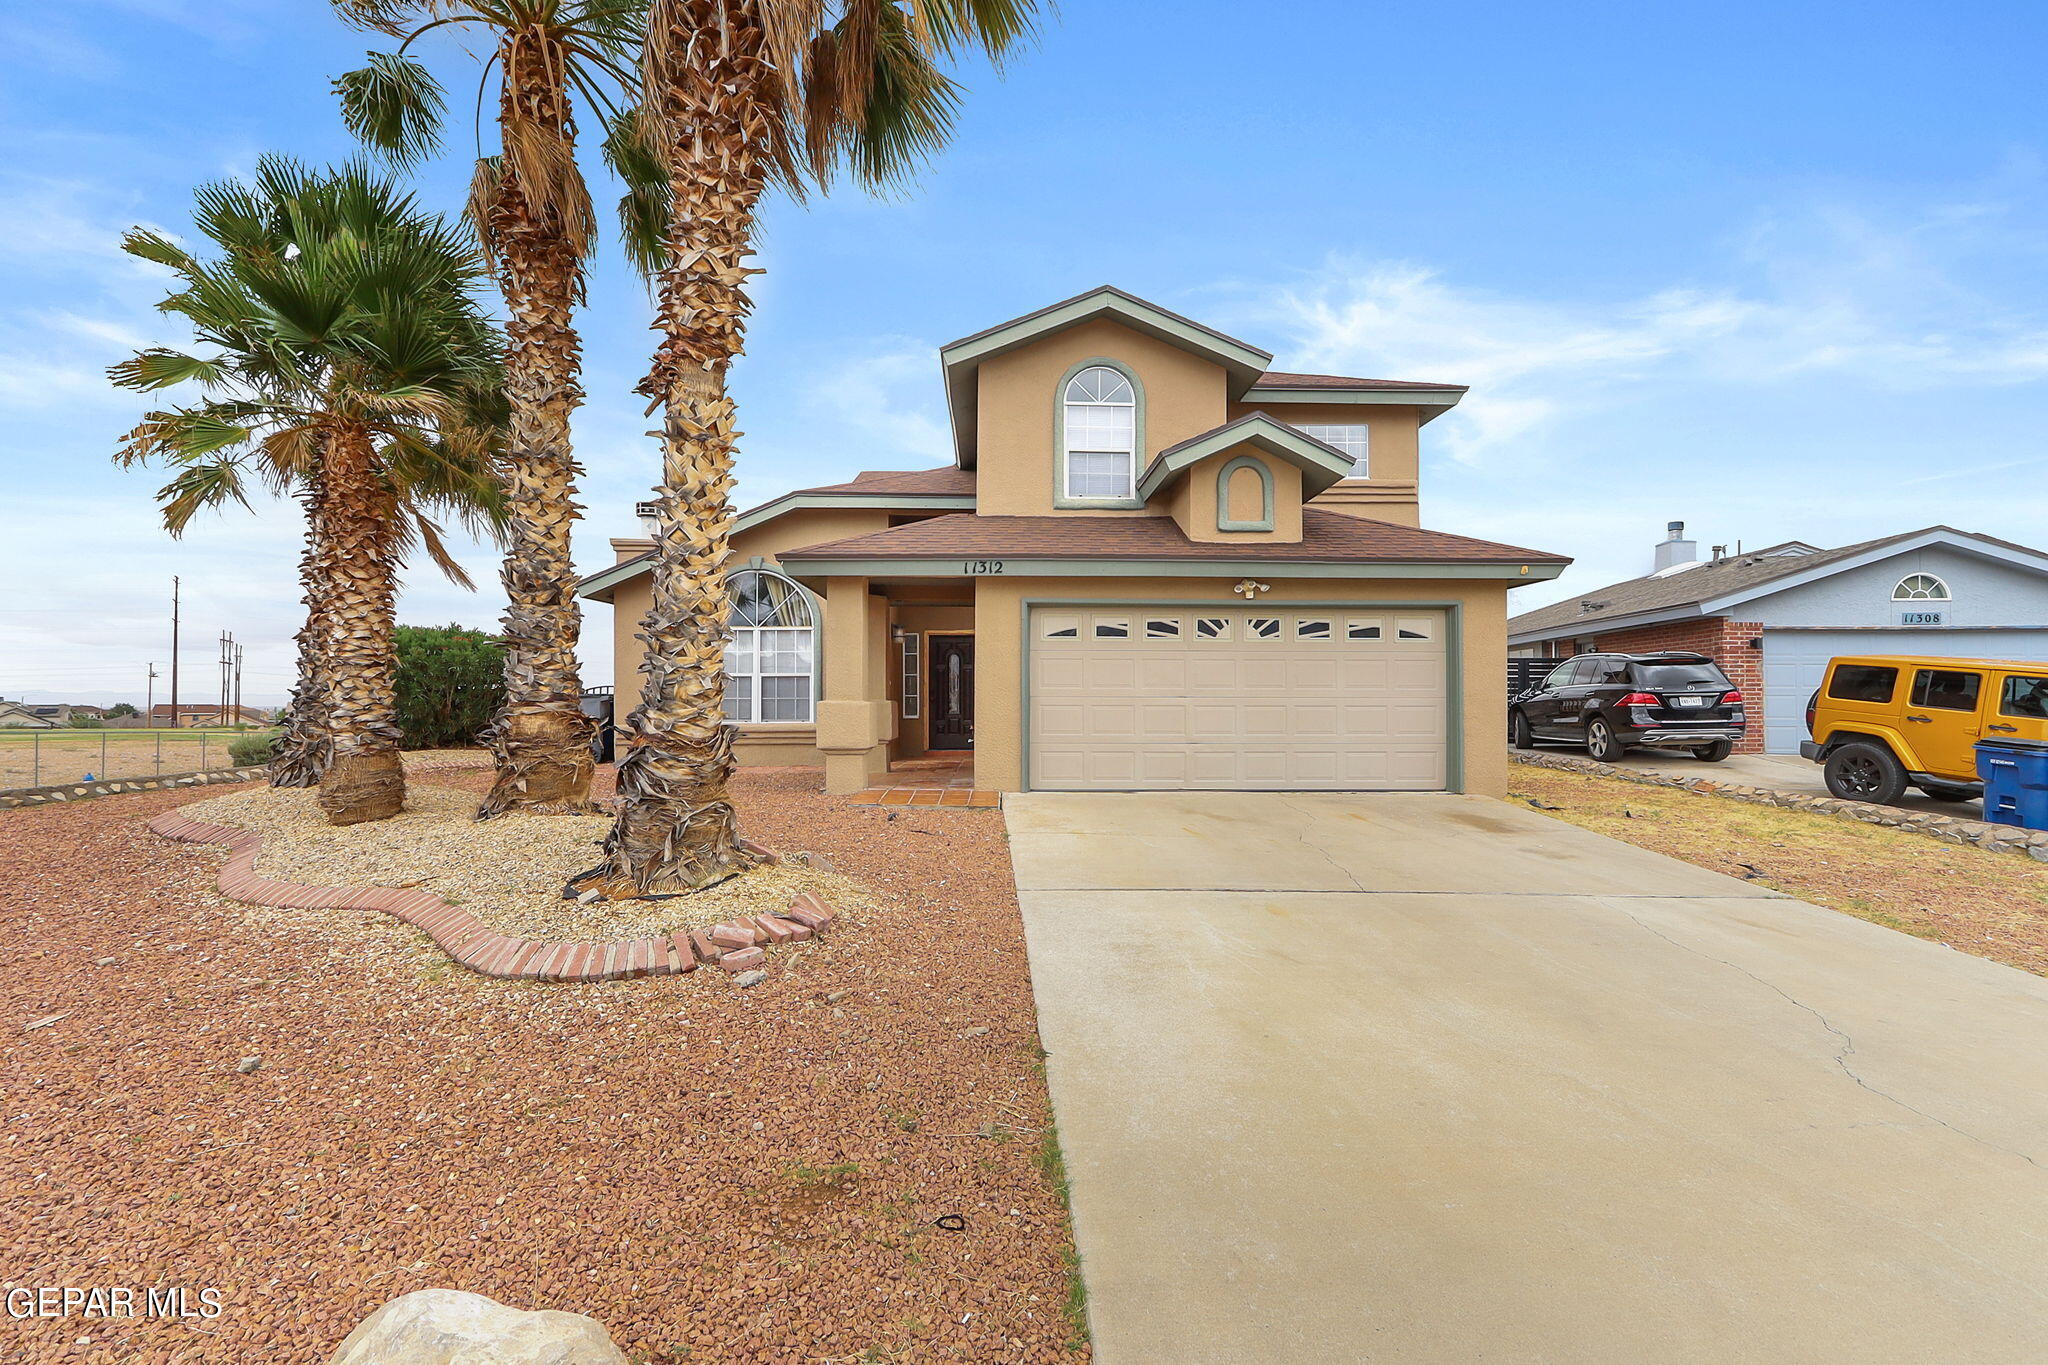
point(1312, 628)
point(1162, 627)
point(1364, 628)
point(1213, 627)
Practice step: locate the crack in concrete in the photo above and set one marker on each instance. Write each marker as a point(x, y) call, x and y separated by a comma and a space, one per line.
point(1321, 852)
point(1842, 1053)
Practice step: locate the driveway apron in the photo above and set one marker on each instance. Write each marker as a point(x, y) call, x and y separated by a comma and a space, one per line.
point(1410, 1078)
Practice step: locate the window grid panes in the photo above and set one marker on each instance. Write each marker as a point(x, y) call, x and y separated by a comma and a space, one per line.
point(1351, 438)
point(1101, 420)
point(913, 676)
point(770, 663)
point(1920, 587)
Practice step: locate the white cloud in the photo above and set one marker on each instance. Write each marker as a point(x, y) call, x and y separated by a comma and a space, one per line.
point(887, 394)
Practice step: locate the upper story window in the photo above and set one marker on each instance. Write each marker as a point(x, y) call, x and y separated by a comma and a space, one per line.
point(1350, 437)
point(1920, 587)
point(1101, 434)
point(771, 663)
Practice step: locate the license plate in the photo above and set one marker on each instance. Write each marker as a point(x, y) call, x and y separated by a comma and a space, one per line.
point(1690, 701)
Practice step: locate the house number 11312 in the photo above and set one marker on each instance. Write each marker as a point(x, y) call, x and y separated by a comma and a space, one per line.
point(982, 566)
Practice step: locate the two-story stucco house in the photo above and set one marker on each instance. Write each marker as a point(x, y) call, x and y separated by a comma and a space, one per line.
point(1153, 563)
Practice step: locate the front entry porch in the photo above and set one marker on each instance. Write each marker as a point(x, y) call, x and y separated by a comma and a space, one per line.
point(896, 710)
point(942, 779)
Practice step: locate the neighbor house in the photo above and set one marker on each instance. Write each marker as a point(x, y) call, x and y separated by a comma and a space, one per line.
point(15, 715)
point(1153, 562)
point(198, 714)
point(1774, 617)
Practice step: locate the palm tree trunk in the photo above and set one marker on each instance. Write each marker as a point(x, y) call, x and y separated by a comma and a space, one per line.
point(365, 780)
point(302, 750)
point(676, 831)
point(540, 737)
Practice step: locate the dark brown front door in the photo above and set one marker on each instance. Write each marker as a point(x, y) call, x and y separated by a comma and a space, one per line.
point(952, 692)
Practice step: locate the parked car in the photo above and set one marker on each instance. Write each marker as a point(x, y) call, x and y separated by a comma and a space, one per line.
point(1612, 703)
point(1881, 723)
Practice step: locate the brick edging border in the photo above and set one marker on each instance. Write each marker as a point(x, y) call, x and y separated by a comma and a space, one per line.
point(471, 943)
point(13, 797)
point(1948, 828)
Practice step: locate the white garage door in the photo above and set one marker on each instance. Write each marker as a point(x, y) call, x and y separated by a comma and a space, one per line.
point(1796, 660)
point(1226, 699)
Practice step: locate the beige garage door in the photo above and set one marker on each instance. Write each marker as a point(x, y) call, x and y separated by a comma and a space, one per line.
point(1232, 699)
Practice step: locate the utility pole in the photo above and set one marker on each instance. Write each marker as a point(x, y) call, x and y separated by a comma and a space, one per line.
point(174, 653)
point(238, 684)
point(149, 695)
point(227, 662)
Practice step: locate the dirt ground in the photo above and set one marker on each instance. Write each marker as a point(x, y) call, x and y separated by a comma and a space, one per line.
point(848, 1163)
point(1992, 904)
point(30, 758)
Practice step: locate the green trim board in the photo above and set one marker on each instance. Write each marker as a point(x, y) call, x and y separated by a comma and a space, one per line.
point(1060, 499)
point(960, 359)
point(1321, 465)
point(1160, 568)
point(1433, 402)
point(1223, 518)
point(1454, 664)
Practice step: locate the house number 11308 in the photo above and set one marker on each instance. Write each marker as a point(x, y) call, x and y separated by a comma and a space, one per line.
point(982, 566)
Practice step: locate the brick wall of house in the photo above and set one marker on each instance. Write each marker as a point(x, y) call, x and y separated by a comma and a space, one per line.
point(1724, 641)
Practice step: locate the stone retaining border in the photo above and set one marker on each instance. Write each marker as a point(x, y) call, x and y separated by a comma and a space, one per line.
point(475, 945)
point(78, 791)
point(1979, 833)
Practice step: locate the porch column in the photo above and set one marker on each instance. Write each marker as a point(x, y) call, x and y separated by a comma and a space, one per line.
point(854, 697)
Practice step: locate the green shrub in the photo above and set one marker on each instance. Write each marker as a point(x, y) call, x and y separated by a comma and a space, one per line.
point(87, 723)
point(450, 682)
point(121, 710)
point(246, 751)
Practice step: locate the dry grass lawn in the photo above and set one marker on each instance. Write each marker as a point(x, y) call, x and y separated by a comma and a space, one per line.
point(47, 758)
point(1992, 904)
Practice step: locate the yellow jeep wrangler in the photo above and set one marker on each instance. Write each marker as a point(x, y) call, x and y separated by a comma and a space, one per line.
point(1884, 722)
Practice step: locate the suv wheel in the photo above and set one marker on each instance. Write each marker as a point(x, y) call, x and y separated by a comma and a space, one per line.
point(1863, 771)
point(1715, 752)
point(1601, 743)
point(1519, 736)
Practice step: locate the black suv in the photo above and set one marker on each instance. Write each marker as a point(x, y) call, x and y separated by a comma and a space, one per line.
point(1612, 703)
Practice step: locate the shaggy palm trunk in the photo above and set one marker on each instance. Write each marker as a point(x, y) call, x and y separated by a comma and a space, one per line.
point(302, 749)
point(364, 780)
point(676, 831)
point(540, 737)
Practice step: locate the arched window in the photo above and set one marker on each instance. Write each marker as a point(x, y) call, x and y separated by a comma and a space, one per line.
point(1101, 432)
point(771, 664)
point(1920, 587)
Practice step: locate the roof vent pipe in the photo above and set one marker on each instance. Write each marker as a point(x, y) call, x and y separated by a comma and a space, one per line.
point(1675, 549)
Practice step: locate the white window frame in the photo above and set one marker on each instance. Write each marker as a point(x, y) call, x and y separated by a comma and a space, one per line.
point(749, 636)
point(913, 675)
point(1940, 591)
point(1068, 406)
point(1344, 436)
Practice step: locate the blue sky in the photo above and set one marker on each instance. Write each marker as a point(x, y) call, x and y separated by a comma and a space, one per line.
point(1778, 270)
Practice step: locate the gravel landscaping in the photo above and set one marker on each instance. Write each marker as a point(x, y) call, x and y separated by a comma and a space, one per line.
point(508, 872)
point(314, 1112)
point(1976, 901)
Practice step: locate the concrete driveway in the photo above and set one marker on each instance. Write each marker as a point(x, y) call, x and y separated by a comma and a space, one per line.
point(1431, 1078)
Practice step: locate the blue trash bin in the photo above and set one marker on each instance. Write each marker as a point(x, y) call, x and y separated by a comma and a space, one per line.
point(2015, 783)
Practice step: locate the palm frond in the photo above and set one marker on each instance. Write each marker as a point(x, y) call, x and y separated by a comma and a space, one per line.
point(395, 105)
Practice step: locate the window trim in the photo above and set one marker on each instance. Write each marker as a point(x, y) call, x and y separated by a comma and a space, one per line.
point(1361, 465)
point(1223, 477)
point(815, 629)
point(1060, 497)
point(1940, 583)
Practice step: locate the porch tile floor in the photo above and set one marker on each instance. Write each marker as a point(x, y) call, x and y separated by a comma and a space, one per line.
point(941, 780)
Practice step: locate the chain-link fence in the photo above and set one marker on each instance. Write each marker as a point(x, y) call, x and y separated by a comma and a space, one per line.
point(44, 758)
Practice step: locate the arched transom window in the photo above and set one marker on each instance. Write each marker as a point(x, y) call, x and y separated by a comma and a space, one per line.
point(1101, 434)
point(771, 664)
point(1920, 587)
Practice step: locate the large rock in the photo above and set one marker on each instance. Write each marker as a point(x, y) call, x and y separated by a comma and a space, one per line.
point(451, 1327)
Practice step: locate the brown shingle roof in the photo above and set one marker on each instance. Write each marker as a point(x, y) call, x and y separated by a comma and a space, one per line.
point(949, 479)
point(1326, 536)
point(1710, 580)
point(1283, 379)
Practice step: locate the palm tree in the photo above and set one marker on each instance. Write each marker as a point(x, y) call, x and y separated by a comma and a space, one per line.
point(531, 209)
point(739, 95)
point(350, 363)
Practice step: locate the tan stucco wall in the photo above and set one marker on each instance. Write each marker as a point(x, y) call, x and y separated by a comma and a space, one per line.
point(999, 658)
point(1192, 499)
point(1183, 396)
point(1393, 452)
